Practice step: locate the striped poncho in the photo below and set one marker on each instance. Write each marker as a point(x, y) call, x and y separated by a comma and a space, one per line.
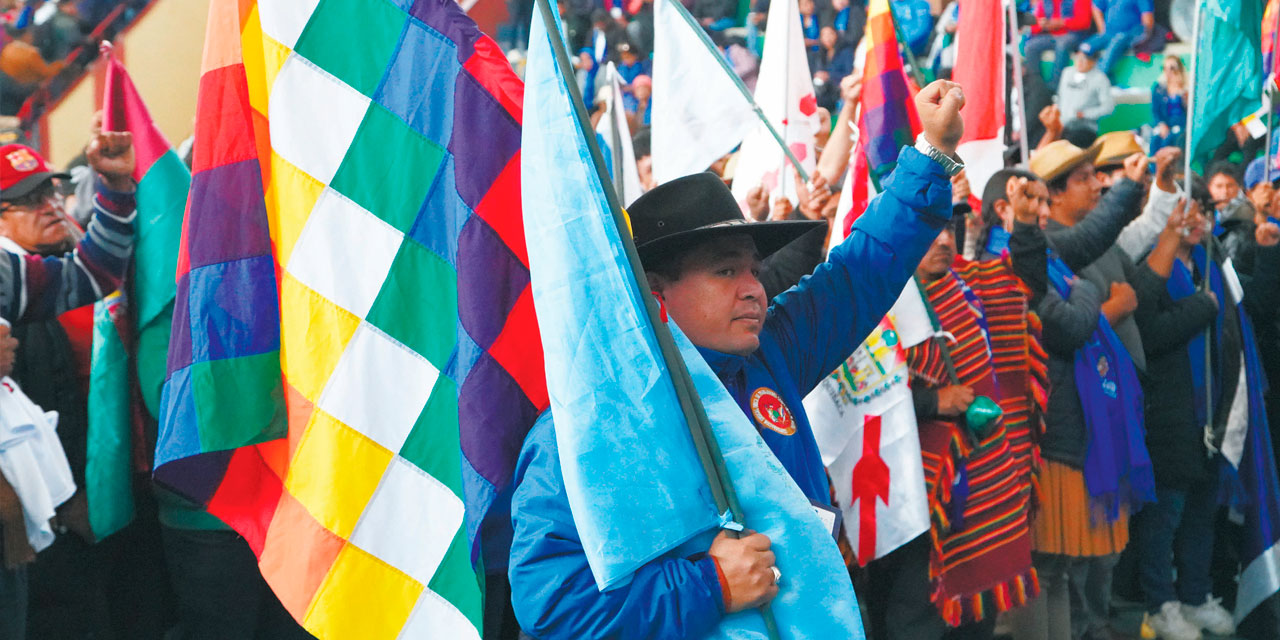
point(981, 492)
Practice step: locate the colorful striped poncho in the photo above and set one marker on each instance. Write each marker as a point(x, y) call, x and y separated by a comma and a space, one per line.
point(981, 493)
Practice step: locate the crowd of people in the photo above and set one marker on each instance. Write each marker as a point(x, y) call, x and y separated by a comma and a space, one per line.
point(38, 36)
point(1077, 428)
point(1070, 51)
point(1091, 255)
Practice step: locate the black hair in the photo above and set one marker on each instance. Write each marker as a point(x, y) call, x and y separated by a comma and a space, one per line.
point(1200, 193)
point(994, 192)
point(1081, 133)
point(1059, 184)
point(640, 142)
point(1224, 167)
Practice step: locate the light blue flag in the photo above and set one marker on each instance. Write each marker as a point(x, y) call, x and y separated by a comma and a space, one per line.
point(635, 485)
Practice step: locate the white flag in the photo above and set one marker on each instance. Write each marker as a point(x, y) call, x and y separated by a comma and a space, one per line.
point(865, 425)
point(613, 130)
point(784, 91)
point(699, 114)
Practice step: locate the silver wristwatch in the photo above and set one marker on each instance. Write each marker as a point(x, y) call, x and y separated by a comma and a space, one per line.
point(949, 164)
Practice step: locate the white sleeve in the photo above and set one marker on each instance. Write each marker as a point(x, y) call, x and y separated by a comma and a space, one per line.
point(1140, 234)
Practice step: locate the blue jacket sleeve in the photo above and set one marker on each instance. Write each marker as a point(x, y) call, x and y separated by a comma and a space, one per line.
point(821, 320)
point(553, 591)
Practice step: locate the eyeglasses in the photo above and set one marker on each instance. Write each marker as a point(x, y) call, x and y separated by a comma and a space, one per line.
point(41, 196)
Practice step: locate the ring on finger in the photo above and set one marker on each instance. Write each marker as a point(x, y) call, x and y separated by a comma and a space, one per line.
point(777, 575)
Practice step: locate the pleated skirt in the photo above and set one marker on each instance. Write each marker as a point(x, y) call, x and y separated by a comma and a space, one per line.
point(1067, 524)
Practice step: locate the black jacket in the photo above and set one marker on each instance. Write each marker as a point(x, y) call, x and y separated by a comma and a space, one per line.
point(1086, 247)
point(1174, 437)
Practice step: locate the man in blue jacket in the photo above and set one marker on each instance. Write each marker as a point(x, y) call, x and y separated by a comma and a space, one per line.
point(702, 261)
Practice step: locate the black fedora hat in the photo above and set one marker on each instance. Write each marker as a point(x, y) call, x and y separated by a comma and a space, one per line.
point(689, 211)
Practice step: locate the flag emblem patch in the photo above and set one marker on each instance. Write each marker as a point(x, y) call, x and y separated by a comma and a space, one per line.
point(771, 412)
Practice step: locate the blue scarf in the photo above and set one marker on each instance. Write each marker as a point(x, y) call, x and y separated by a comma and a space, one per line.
point(1181, 284)
point(1117, 469)
point(1235, 485)
point(997, 241)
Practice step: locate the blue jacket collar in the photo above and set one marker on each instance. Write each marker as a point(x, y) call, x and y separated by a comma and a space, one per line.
point(725, 365)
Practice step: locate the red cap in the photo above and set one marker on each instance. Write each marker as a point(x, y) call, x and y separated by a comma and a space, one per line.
point(22, 170)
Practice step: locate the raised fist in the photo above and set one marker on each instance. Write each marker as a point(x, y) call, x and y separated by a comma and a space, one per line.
point(939, 106)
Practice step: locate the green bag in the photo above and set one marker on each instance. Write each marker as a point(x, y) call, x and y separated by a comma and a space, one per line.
point(981, 416)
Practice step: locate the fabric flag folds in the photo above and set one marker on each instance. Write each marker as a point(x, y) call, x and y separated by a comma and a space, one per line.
point(1228, 72)
point(354, 350)
point(614, 404)
point(699, 114)
point(784, 91)
point(980, 42)
point(889, 119)
point(1270, 26)
point(131, 330)
point(865, 424)
point(614, 136)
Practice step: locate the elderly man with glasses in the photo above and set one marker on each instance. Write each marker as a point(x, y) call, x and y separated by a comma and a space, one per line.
point(48, 267)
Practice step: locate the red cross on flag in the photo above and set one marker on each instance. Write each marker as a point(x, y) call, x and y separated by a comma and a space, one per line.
point(865, 425)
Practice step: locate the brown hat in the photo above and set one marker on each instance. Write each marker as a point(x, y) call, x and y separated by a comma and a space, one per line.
point(1060, 157)
point(1116, 146)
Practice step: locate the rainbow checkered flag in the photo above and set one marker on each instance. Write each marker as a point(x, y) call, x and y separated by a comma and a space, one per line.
point(355, 357)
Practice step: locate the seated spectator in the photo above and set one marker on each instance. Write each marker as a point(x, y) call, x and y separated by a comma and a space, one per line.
point(915, 19)
point(811, 29)
point(59, 32)
point(1085, 92)
point(1060, 27)
point(848, 18)
point(745, 62)
point(1169, 105)
point(636, 102)
point(834, 63)
point(1120, 24)
point(640, 29)
point(715, 15)
point(630, 64)
point(22, 69)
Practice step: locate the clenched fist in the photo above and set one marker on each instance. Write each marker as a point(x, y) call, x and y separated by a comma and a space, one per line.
point(939, 106)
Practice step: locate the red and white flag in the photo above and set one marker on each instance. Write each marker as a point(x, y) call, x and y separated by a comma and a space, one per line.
point(865, 426)
point(980, 43)
point(784, 91)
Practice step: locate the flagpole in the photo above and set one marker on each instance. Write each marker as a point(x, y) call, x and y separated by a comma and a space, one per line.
point(1208, 237)
point(1191, 94)
point(724, 64)
point(1019, 92)
point(782, 96)
point(704, 441)
point(615, 142)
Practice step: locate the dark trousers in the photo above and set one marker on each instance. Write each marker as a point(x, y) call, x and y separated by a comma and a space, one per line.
point(220, 592)
point(898, 601)
point(66, 598)
point(1177, 529)
point(13, 602)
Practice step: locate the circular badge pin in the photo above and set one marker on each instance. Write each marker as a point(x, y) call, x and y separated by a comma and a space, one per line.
point(771, 412)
